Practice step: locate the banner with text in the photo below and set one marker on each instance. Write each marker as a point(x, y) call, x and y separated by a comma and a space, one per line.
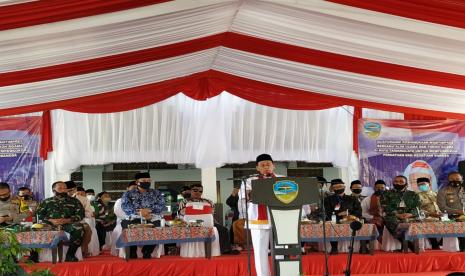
point(20, 162)
point(411, 148)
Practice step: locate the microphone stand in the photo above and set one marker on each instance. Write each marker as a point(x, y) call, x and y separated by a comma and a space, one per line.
point(249, 265)
point(322, 198)
point(355, 226)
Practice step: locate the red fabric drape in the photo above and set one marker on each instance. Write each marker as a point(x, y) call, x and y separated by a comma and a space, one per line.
point(111, 62)
point(381, 263)
point(243, 43)
point(46, 145)
point(343, 62)
point(208, 84)
point(444, 12)
point(41, 12)
point(408, 116)
point(357, 115)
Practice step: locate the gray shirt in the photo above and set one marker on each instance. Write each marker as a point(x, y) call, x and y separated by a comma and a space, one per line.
point(8, 208)
point(451, 199)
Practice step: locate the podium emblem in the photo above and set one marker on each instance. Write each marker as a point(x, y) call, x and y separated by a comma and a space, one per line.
point(286, 191)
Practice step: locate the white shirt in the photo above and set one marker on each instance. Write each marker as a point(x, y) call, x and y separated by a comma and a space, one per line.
point(88, 209)
point(120, 214)
point(252, 209)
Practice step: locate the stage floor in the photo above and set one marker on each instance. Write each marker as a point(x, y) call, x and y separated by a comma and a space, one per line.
point(430, 263)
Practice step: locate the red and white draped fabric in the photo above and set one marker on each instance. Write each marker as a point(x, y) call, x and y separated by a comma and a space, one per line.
point(90, 56)
point(76, 55)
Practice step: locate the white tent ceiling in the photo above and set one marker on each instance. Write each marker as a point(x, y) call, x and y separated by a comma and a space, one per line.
point(337, 54)
point(65, 60)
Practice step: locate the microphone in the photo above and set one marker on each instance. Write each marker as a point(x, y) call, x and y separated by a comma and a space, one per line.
point(355, 226)
point(243, 177)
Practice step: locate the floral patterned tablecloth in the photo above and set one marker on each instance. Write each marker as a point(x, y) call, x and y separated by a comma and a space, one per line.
point(418, 230)
point(159, 235)
point(336, 232)
point(41, 239)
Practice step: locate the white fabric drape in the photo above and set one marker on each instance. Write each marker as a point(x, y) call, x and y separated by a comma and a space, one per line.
point(105, 81)
point(256, 67)
point(309, 24)
point(338, 83)
point(113, 33)
point(224, 129)
point(317, 28)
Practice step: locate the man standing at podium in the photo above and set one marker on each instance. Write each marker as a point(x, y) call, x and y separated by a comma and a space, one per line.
point(258, 216)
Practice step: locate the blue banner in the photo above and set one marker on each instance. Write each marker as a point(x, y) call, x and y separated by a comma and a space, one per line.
point(20, 161)
point(415, 149)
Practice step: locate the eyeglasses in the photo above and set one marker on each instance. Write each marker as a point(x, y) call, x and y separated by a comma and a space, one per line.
point(197, 191)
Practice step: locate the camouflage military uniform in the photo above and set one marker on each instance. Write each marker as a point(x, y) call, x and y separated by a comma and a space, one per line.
point(67, 207)
point(428, 202)
point(391, 202)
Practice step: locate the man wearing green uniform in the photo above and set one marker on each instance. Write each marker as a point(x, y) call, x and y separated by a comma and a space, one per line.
point(65, 212)
point(399, 205)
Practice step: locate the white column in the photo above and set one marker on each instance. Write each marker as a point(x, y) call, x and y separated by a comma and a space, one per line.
point(209, 184)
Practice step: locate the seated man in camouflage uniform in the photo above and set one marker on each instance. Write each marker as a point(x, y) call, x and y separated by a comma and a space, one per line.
point(400, 205)
point(65, 212)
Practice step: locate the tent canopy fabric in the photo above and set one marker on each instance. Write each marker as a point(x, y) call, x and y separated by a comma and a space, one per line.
point(184, 71)
point(292, 54)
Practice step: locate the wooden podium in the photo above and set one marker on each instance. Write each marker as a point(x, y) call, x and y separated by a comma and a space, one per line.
point(284, 197)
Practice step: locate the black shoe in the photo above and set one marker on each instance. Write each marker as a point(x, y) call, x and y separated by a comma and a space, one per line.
point(147, 256)
point(334, 252)
point(232, 252)
point(34, 256)
point(411, 246)
point(133, 253)
point(71, 259)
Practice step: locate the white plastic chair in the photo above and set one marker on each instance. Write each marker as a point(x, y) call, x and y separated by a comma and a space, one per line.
point(94, 246)
point(197, 249)
point(450, 244)
point(120, 215)
point(45, 255)
point(389, 242)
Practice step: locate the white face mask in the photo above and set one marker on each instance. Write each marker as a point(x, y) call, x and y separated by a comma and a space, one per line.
point(91, 197)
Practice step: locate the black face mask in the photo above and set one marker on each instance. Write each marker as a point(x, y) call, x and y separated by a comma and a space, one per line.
point(357, 191)
point(144, 185)
point(4, 198)
point(339, 191)
point(399, 187)
point(26, 197)
point(379, 192)
point(455, 183)
point(64, 194)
